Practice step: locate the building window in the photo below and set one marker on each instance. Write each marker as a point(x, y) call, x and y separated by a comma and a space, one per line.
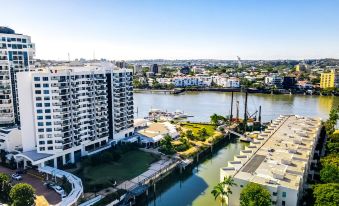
point(37, 91)
point(47, 104)
point(39, 111)
point(46, 92)
point(36, 78)
point(38, 104)
point(284, 194)
point(40, 124)
point(41, 142)
point(49, 142)
point(48, 117)
point(46, 85)
point(41, 130)
point(38, 98)
point(45, 78)
point(48, 123)
point(283, 203)
point(275, 194)
point(47, 111)
point(40, 117)
point(50, 148)
point(49, 130)
point(42, 149)
point(37, 85)
point(47, 98)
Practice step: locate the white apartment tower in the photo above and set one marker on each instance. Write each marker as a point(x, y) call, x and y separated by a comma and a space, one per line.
point(16, 55)
point(70, 112)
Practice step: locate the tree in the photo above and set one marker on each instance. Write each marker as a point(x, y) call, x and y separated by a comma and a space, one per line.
point(166, 145)
point(189, 134)
point(330, 173)
point(4, 186)
point(254, 194)
point(326, 194)
point(22, 194)
point(223, 189)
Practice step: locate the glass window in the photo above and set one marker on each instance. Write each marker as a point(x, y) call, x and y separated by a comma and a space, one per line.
point(48, 123)
point(39, 111)
point(45, 78)
point(40, 124)
point(49, 130)
point(38, 98)
point(38, 104)
point(37, 85)
point(50, 148)
point(48, 117)
point(274, 194)
point(36, 78)
point(47, 98)
point(47, 104)
point(42, 149)
point(40, 117)
point(49, 142)
point(41, 130)
point(37, 91)
point(46, 85)
point(284, 194)
point(47, 111)
point(41, 142)
point(46, 92)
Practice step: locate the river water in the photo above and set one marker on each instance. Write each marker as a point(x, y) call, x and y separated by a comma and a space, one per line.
point(194, 187)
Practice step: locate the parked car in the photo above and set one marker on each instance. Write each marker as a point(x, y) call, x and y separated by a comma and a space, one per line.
point(58, 189)
point(49, 185)
point(16, 176)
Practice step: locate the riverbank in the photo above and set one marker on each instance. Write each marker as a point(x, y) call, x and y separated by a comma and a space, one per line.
point(250, 90)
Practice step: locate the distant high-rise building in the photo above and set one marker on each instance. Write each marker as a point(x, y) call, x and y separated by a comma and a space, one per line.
point(121, 64)
point(16, 55)
point(137, 68)
point(154, 68)
point(185, 70)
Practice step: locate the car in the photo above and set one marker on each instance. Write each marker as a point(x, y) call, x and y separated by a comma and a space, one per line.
point(16, 176)
point(58, 189)
point(49, 185)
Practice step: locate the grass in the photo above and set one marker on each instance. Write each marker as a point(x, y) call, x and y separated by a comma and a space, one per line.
point(131, 164)
point(195, 127)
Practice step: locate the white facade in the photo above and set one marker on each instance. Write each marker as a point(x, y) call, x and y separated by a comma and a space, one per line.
point(279, 159)
point(226, 82)
point(16, 55)
point(74, 110)
point(10, 139)
point(188, 81)
point(273, 80)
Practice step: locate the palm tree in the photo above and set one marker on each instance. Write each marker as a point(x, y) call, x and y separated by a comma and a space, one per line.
point(223, 189)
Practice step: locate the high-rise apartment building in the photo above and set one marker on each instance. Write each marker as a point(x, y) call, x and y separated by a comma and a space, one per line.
point(16, 55)
point(69, 112)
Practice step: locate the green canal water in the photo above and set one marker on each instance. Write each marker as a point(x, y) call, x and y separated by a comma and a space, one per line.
point(194, 186)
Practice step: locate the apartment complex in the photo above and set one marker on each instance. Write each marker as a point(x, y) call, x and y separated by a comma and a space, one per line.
point(329, 79)
point(16, 55)
point(279, 159)
point(69, 112)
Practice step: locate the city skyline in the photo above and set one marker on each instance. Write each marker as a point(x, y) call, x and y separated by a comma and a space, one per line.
point(133, 30)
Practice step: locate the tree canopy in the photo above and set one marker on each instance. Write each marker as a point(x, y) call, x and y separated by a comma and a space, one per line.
point(326, 194)
point(22, 194)
point(255, 195)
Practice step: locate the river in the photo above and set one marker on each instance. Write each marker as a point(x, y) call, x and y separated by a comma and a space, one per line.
point(194, 187)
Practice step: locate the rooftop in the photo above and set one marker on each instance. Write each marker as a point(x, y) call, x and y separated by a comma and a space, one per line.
point(279, 155)
point(6, 30)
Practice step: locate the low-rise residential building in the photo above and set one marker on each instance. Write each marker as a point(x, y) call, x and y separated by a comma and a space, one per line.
point(227, 82)
point(274, 80)
point(187, 81)
point(304, 85)
point(153, 133)
point(329, 79)
point(279, 159)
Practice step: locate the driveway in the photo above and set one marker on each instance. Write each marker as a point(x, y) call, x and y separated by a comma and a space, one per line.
point(36, 181)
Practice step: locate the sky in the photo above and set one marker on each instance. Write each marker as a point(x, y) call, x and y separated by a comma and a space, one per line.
point(177, 29)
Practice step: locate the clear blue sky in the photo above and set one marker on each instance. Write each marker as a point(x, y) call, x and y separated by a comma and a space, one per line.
point(177, 29)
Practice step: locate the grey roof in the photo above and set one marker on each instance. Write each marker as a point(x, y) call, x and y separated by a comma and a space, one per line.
point(6, 30)
point(34, 155)
point(254, 163)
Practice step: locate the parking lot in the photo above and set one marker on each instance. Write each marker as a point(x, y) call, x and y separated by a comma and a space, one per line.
point(37, 182)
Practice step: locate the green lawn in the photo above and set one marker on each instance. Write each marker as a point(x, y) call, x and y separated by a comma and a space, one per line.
point(131, 164)
point(195, 127)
